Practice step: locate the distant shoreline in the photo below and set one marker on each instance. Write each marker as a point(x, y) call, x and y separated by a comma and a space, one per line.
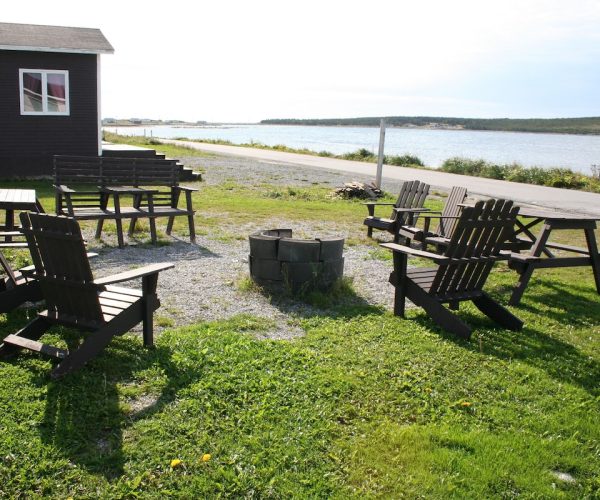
point(571, 126)
point(579, 126)
point(405, 127)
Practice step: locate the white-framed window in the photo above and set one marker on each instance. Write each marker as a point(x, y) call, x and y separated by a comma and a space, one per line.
point(44, 91)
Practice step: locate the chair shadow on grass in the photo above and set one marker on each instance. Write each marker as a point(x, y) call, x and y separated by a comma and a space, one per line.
point(85, 416)
point(563, 301)
point(561, 360)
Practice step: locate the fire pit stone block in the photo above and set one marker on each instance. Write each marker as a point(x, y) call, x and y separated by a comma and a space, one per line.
point(302, 265)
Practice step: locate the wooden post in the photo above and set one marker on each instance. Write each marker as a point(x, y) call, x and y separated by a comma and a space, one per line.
point(380, 157)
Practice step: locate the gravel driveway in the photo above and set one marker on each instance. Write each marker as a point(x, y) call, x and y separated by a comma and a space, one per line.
point(204, 285)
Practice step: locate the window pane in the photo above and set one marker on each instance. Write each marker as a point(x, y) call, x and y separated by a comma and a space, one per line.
point(32, 92)
point(56, 92)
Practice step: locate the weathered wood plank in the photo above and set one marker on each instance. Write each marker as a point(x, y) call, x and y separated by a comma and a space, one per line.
point(34, 345)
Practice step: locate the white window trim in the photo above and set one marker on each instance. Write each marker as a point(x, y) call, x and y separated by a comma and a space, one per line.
point(99, 107)
point(44, 73)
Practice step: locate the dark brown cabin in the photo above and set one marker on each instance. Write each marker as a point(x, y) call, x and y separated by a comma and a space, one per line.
point(49, 96)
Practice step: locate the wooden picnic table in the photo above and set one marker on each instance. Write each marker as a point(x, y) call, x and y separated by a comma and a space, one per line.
point(11, 201)
point(525, 264)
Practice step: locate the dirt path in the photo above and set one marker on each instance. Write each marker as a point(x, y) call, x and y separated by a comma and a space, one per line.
point(560, 199)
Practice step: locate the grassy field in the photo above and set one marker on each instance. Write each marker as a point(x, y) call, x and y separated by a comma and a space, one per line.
point(364, 405)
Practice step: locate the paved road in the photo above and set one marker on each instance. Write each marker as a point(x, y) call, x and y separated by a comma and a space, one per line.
point(561, 199)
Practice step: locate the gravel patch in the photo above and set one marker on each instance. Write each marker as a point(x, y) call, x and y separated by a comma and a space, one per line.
point(247, 170)
point(204, 285)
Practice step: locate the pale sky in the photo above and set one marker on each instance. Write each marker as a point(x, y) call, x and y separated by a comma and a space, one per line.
point(243, 61)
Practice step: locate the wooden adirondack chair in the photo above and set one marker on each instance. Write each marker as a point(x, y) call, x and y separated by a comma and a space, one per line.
point(17, 287)
point(409, 203)
point(448, 219)
point(75, 299)
point(461, 270)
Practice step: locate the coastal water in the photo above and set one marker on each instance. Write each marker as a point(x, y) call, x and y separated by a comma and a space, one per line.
point(432, 146)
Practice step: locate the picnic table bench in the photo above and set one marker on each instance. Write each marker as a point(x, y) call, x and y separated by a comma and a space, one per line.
point(85, 185)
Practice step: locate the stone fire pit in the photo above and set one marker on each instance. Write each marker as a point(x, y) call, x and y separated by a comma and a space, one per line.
point(301, 265)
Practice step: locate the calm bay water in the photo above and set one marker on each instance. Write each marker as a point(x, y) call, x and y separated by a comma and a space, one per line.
point(578, 152)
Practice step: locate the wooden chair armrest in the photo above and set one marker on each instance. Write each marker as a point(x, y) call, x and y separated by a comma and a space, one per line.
point(186, 188)
point(433, 213)
point(428, 216)
point(520, 257)
point(134, 273)
point(372, 204)
point(395, 247)
point(410, 231)
point(412, 210)
point(411, 213)
point(67, 191)
point(64, 189)
point(30, 270)
point(188, 196)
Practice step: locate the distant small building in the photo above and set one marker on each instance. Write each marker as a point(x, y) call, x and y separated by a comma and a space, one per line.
point(49, 95)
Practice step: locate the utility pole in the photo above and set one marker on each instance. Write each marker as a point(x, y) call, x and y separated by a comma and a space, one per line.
point(380, 158)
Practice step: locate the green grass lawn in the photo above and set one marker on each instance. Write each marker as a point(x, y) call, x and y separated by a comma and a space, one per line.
point(364, 405)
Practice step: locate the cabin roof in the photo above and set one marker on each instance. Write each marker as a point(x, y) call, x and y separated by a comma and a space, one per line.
point(39, 38)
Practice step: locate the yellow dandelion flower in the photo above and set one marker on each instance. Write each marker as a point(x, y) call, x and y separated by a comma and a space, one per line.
point(466, 403)
point(176, 463)
point(206, 457)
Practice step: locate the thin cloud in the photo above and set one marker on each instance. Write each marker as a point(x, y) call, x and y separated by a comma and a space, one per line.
point(245, 61)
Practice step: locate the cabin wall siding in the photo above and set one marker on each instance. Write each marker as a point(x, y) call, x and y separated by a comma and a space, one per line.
point(28, 142)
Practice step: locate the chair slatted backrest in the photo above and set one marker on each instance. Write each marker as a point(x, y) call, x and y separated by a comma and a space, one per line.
point(70, 170)
point(116, 173)
point(412, 195)
point(113, 171)
point(474, 247)
point(106, 171)
point(451, 211)
point(62, 268)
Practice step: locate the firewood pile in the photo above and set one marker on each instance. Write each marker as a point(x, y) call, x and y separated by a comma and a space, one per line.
point(360, 190)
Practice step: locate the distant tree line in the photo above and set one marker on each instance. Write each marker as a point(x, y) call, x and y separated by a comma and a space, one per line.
point(587, 125)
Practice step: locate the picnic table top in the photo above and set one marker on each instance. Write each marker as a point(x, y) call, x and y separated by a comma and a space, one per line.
point(16, 196)
point(544, 213)
point(548, 213)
